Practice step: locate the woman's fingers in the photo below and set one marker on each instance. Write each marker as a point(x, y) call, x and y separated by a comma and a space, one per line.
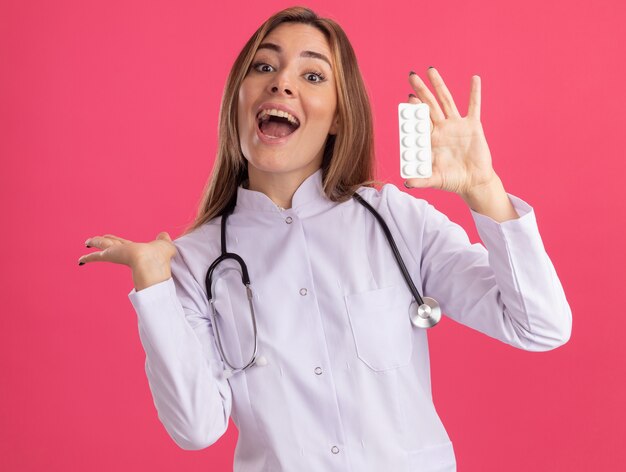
point(426, 96)
point(123, 251)
point(473, 110)
point(104, 241)
point(431, 182)
point(443, 94)
point(112, 236)
point(414, 99)
point(101, 242)
point(93, 257)
point(448, 108)
point(165, 236)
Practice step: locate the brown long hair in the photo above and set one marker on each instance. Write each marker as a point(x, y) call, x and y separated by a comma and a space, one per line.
point(348, 160)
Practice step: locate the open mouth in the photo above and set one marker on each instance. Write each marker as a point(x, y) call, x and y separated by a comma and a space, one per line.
point(275, 124)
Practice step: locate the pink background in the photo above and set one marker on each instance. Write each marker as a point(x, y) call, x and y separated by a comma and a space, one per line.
point(109, 118)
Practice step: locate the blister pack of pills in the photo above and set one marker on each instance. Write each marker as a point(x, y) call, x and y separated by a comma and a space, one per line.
point(415, 152)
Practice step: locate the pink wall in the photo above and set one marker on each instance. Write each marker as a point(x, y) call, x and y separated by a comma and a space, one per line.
point(109, 114)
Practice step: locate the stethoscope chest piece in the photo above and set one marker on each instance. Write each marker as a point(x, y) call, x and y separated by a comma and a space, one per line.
point(425, 315)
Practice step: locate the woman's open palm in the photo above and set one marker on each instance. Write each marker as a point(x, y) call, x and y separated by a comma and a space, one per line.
point(461, 157)
point(123, 251)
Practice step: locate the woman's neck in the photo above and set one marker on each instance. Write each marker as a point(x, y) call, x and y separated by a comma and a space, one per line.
point(279, 187)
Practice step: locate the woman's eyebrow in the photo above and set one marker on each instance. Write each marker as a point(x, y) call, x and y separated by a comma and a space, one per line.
point(313, 54)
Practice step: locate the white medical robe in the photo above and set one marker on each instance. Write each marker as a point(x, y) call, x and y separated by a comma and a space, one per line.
point(347, 381)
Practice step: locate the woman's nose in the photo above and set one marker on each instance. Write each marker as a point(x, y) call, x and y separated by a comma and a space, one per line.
point(287, 91)
point(282, 85)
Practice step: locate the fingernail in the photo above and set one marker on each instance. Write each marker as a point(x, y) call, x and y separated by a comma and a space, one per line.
point(87, 240)
point(407, 185)
point(81, 263)
point(411, 73)
point(431, 67)
point(412, 95)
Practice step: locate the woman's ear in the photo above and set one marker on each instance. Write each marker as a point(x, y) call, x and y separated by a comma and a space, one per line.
point(335, 126)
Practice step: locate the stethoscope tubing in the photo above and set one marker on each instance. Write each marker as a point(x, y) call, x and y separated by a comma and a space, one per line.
point(427, 314)
point(245, 278)
point(394, 248)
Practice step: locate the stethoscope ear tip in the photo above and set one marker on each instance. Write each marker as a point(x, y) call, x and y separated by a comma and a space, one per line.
point(261, 361)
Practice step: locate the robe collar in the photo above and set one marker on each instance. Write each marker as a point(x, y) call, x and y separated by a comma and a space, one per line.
point(308, 197)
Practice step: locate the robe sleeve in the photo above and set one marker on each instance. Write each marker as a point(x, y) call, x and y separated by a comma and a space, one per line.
point(506, 288)
point(183, 367)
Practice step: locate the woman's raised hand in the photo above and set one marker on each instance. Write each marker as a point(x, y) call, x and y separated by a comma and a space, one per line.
point(149, 261)
point(461, 157)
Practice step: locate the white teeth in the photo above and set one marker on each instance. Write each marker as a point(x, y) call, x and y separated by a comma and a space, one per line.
point(265, 114)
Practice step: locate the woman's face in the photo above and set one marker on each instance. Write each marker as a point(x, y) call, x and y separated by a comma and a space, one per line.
point(291, 73)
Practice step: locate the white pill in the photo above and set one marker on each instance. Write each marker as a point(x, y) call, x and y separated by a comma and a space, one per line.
point(408, 141)
point(409, 169)
point(421, 113)
point(408, 127)
point(422, 155)
point(409, 155)
point(422, 169)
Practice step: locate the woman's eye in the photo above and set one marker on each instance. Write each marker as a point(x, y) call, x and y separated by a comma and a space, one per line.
point(315, 77)
point(262, 67)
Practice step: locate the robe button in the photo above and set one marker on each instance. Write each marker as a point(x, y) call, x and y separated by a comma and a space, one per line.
point(303, 291)
point(318, 371)
point(288, 220)
point(334, 450)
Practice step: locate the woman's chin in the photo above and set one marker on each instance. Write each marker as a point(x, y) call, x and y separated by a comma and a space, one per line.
point(274, 163)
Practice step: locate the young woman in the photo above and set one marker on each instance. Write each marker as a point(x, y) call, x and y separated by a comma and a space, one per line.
point(316, 359)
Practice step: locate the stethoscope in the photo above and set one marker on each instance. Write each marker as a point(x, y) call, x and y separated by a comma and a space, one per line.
point(423, 312)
